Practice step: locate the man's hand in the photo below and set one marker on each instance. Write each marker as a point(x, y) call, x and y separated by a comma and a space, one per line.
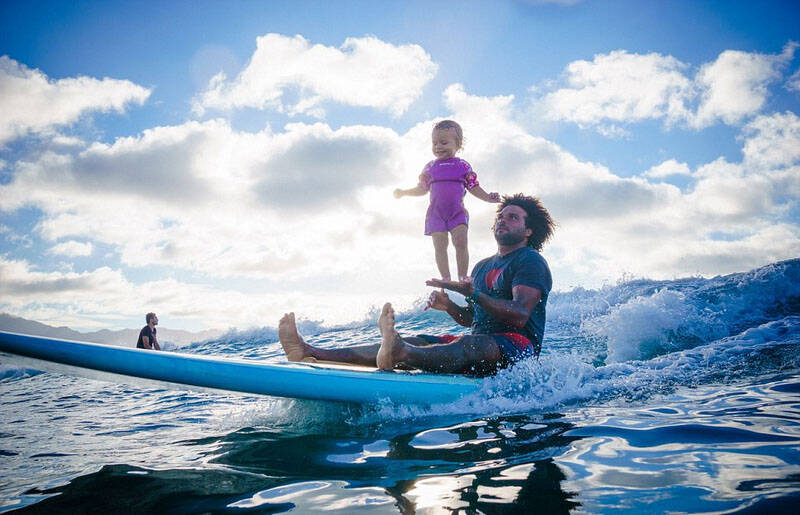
point(441, 301)
point(438, 300)
point(464, 287)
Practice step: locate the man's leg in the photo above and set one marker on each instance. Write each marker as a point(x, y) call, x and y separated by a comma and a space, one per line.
point(297, 349)
point(477, 352)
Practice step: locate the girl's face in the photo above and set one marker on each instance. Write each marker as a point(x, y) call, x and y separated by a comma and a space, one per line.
point(444, 143)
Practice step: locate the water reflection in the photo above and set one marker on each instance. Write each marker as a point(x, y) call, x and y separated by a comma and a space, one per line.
point(701, 452)
point(469, 466)
point(529, 488)
point(499, 463)
point(476, 466)
point(723, 452)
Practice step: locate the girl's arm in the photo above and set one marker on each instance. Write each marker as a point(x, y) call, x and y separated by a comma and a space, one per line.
point(486, 197)
point(416, 191)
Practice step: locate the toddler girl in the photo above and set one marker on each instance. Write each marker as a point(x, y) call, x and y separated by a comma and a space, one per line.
point(448, 178)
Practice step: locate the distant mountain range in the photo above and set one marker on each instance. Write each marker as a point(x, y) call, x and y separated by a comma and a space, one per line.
point(123, 337)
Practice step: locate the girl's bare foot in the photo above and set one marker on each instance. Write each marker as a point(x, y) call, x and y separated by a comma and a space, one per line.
point(392, 345)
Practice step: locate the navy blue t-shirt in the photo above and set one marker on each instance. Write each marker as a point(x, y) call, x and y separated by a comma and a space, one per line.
point(497, 275)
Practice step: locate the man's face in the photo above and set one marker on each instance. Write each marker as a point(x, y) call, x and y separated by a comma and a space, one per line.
point(155, 320)
point(509, 226)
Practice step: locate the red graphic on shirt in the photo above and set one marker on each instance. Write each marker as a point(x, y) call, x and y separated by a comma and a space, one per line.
point(491, 277)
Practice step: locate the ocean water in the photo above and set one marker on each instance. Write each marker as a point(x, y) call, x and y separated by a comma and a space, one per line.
point(649, 397)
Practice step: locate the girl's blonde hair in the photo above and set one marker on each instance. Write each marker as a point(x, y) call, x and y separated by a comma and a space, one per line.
point(450, 124)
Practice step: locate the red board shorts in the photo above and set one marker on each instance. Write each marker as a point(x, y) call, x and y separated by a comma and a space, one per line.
point(513, 346)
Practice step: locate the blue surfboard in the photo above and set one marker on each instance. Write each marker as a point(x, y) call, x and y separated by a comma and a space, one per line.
point(327, 382)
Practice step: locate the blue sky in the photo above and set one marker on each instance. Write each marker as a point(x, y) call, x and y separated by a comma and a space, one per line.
point(222, 162)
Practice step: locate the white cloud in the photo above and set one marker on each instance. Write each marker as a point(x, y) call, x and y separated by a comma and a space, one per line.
point(735, 85)
point(164, 164)
point(305, 218)
point(33, 103)
point(726, 193)
point(793, 82)
point(620, 86)
point(628, 88)
point(66, 141)
point(773, 141)
point(12, 237)
point(87, 298)
point(72, 248)
point(21, 283)
point(472, 109)
point(710, 256)
point(324, 167)
point(612, 131)
point(364, 72)
point(509, 160)
point(206, 198)
point(610, 225)
point(669, 168)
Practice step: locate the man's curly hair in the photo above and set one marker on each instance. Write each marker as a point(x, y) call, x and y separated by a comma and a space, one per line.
point(537, 219)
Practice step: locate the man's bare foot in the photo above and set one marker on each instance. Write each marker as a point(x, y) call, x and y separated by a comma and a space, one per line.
point(392, 345)
point(294, 346)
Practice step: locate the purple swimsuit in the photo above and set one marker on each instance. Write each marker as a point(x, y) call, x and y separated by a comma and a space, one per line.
point(448, 181)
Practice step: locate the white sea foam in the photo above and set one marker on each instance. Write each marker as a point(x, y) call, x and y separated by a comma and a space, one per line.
point(559, 380)
point(643, 318)
point(642, 326)
point(10, 372)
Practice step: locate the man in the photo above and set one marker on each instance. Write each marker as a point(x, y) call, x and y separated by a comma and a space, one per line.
point(506, 301)
point(147, 336)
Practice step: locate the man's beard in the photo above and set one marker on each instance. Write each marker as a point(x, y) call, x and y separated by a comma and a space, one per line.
point(508, 239)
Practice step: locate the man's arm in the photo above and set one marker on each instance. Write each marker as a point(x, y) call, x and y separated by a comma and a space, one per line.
point(514, 312)
point(156, 346)
point(440, 300)
point(146, 342)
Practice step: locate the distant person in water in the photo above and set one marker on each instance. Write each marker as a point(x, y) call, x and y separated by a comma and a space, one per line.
point(147, 336)
point(448, 178)
point(506, 300)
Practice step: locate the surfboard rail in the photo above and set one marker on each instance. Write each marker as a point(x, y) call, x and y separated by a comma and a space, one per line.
point(314, 381)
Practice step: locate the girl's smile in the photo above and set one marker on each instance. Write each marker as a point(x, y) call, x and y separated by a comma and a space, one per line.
point(444, 143)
